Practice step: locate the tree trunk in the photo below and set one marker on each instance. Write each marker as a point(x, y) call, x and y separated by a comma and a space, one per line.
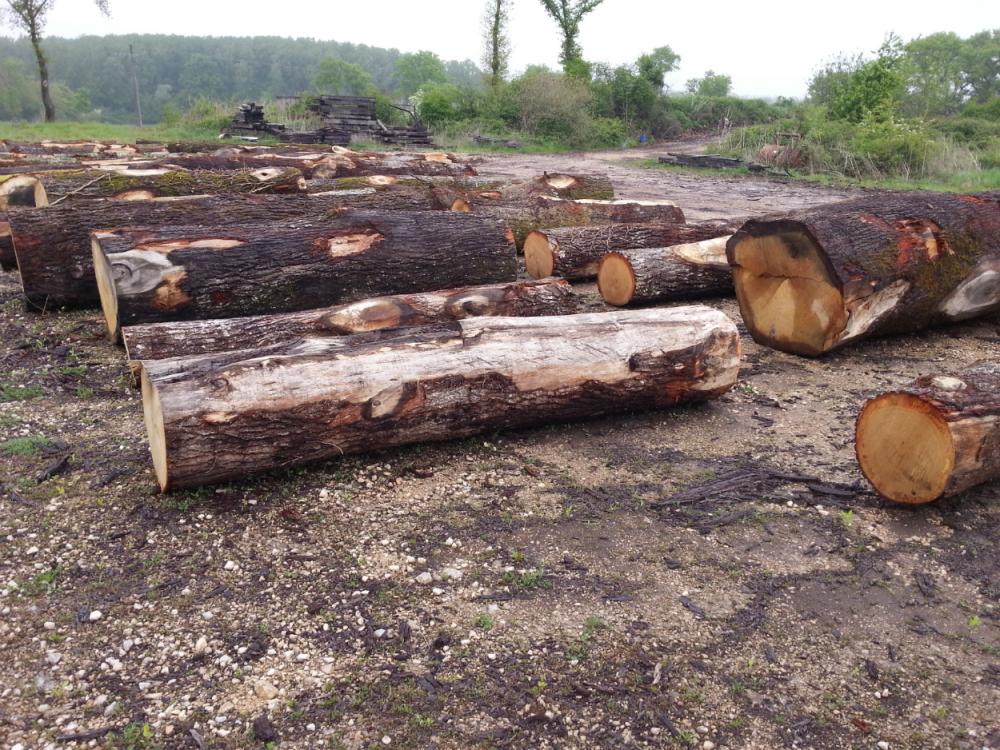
point(22, 190)
point(935, 437)
point(694, 270)
point(53, 250)
point(818, 279)
point(34, 34)
point(574, 252)
point(161, 182)
point(8, 260)
point(543, 212)
point(211, 271)
point(189, 338)
point(217, 418)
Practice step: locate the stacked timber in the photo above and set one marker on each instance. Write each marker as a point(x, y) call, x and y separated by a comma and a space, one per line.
point(574, 252)
point(935, 437)
point(689, 271)
point(230, 270)
point(812, 281)
point(218, 417)
point(194, 337)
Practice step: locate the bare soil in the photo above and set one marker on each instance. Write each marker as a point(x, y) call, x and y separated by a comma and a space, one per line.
point(711, 577)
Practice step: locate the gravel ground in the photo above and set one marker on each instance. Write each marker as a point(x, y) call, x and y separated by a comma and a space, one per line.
point(524, 590)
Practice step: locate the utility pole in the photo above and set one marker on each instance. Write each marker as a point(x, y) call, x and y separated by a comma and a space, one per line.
point(135, 86)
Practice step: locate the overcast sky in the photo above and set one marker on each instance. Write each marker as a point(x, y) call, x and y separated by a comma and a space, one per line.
point(769, 48)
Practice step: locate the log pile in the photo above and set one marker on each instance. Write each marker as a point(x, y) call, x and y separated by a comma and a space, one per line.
point(817, 280)
point(937, 436)
point(213, 418)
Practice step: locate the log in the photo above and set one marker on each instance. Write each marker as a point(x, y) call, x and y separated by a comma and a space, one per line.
point(21, 190)
point(567, 186)
point(815, 280)
point(132, 183)
point(223, 417)
point(209, 271)
point(189, 338)
point(544, 212)
point(574, 252)
point(937, 436)
point(8, 260)
point(689, 271)
point(52, 245)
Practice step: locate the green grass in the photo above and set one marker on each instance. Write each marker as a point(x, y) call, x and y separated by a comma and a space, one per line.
point(20, 392)
point(530, 579)
point(42, 583)
point(485, 623)
point(683, 169)
point(25, 446)
point(102, 131)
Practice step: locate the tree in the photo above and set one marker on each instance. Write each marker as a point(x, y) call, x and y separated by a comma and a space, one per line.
point(873, 90)
point(710, 84)
point(413, 70)
point(30, 16)
point(654, 66)
point(934, 77)
point(343, 78)
point(568, 14)
point(981, 65)
point(496, 55)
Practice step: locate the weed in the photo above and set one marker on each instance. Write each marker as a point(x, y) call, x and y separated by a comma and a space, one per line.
point(25, 446)
point(516, 556)
point(529, 579)
point(975, 622)
point(539, 687)
point(42, 583)
point(20, 392)
point(846, 518)
point(84, 392)
point(137, 736)
point(485, 623)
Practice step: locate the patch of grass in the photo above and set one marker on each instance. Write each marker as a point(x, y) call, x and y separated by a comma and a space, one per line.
point(20, 392)
point(9, 420)
point(75, 370)
point(84, 392)
point(25, 446)
point(516, 556)
point(103, 131)
point(975, 622)
point(529, 579)
point(42, 583)
point(654, 164)
point(485, 623)
point(137, 736)
point(846, 518)
point(580, 648)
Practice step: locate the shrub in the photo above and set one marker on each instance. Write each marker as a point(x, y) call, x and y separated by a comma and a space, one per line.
point(607, 132)
point(553, 105)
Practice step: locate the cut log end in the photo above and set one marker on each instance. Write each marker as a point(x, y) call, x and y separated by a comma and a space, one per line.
point(787, 296)
point(905, 448)
point(22, 190)
point(461, 205)
point(152, 411)
point(105, 287)
point(616, 279)
point(539, 254)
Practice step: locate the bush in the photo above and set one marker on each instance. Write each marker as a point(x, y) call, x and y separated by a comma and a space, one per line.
point(607, 132)
point(553, 105)
point(440, 103)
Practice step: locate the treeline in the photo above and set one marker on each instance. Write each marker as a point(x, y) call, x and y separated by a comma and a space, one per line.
point(92, 75)
point(927, 108)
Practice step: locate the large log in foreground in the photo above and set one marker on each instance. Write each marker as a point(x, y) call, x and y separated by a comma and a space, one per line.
point(574, 252)
point(212, 419)
point(134, 183)
point(53, 244)
point(692, 270)
point(818, 279)
point(198, 272)
point(193, 337)
point(935, 437)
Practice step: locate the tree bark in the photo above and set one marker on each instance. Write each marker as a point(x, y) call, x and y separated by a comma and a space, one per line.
point(34, 33)
point(189, 338)
point(8, 260)
point(566, 186)
point(130, 183)
point(935, 437)
point(52, 245)
point(543, 212)
point(217, 418)
point(819, 279)
point(210, 271)
point(690, 271)
point(574, 252)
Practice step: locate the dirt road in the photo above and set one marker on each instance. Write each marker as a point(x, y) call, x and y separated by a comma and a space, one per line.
point(537, 589)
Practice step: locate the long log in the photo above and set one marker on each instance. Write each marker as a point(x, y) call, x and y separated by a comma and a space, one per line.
point(574, 252)
point(544, 212)
point(189, 338)
point(937, 436)
point(815, 280)
point(52, 245)
point(8, 259)
point(563, 185)
point(139, 183)
point(691, 271)
point(198, 272)
point(217, 418)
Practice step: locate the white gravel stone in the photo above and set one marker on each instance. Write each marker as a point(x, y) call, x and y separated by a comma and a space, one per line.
point(265, 690)
point(95, 615)
point(425, 579)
